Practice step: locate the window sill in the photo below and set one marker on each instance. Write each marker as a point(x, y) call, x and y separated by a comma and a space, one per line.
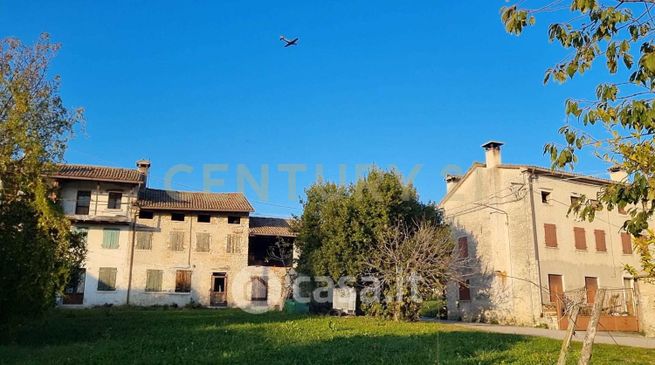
point(601, 251)
point(552, 247)
point(106, 291)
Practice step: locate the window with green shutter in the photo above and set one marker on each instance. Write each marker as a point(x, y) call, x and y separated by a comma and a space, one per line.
point(177, 241)
point(144, 240)
point(107, 279)
point(110, 238)
point(233, 243)
point(153, 280)
point(202, 242)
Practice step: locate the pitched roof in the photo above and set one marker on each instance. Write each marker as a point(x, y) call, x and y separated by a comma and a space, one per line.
point(265, 226)
point(156, 199)
point(97, 173)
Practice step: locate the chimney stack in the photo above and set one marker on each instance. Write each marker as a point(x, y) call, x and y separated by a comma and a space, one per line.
point(451, 181)
point(144, 167)
point(492, 153)
point(618, 174)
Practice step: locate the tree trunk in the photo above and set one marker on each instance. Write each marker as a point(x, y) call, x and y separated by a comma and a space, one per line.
point(585, 355)
point(569, 334)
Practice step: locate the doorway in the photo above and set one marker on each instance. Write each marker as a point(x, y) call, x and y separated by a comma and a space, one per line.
point(218, 293)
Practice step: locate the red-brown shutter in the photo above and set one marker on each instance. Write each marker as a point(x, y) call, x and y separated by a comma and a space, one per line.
point(555, 287)
point(601, 246)
point(626, 241)
point(591, 286)
point(580, 238)
point(463, 247)
point(551, 235)
point(465, 291)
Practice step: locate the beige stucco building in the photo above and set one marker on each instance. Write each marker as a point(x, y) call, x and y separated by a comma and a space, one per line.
point(161, 247)
point(525, 251)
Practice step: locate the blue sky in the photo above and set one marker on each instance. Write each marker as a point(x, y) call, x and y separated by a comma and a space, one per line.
point(391, 83)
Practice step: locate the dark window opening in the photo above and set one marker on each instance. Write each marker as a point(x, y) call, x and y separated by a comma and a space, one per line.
point(146, 214)
point(114, 200)
point(233, 219)
point(545, 197)
point(204, 218)
point(74, 291)
point(183, 281)
point(465, 290)
point(575, 200)
point(178, 217)
point(83, 202)
point(263, 251)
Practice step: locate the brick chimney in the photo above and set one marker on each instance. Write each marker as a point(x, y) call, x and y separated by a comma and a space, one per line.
point(492, 153)
point(451, 181)
point(144, 167)
point(618, 174)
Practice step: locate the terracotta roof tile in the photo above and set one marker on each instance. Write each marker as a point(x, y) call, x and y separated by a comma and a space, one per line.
point(97, 173)
point(264, 226)
point(182, 200)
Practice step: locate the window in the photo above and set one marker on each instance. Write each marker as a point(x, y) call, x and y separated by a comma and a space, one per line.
point(146, 214)
point(575, 200)
point(83, 202)
point(591, 286)
point(579, 238)
point(144, 240)
point(555, 287)
point(204, 218)
point(233, 243)
point(463, 247)
point(622, 210)
point(202, 242)
point(114, 200)
point(83, 232)
point(153, 280)
point(465, 290)
point(626, 242)
point(545, 197)
point(601, 246)
point(110, 238)
point(107, 279)
point(178, 217)
point(177, 241)
point(259, 290)
point(233, 219)
point(551, 235)
point(183, 281)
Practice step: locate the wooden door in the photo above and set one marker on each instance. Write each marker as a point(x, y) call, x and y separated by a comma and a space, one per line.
point(218, 293)
point(555, 287)
point(591, 286)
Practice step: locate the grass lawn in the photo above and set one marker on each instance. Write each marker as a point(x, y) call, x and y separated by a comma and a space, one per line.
point(122, 335)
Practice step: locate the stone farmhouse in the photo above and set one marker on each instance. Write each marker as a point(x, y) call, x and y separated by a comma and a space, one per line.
point(528, 256)
point(161, 247)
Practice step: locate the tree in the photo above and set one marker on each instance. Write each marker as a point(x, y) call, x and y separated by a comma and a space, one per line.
point(38, 251)
point(412, 262)
point(341, 225)
point(619, 123)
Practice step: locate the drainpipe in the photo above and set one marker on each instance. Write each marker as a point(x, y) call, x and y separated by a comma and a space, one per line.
point(190, 239)
point(535, 239)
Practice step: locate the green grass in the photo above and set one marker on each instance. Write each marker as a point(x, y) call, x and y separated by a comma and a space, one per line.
point(126, 335)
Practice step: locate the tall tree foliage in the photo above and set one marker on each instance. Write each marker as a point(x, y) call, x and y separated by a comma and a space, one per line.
point(341, 225)
point(37, 249)
point(619, 122)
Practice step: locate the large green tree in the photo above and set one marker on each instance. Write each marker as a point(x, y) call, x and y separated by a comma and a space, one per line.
point(37, 249)
point(341, 225)
point(618, 123)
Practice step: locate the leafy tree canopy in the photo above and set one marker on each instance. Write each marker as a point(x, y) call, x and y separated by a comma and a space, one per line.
point(619, 122)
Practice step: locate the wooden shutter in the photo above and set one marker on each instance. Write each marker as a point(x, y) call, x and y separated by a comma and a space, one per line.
point(601, 246)
point(154, 280)
point(177, 241)
point(202, 242)
point(580, 238)
point(555, 287)
point(233, 243)
point(144, 240)
point(183, 281)
point(463, 247)
point(107, 279)
point(550, 231)
point(591, 286)
point(465, 291)
point(626, 242)
point(259, 290)
point(110, 238)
